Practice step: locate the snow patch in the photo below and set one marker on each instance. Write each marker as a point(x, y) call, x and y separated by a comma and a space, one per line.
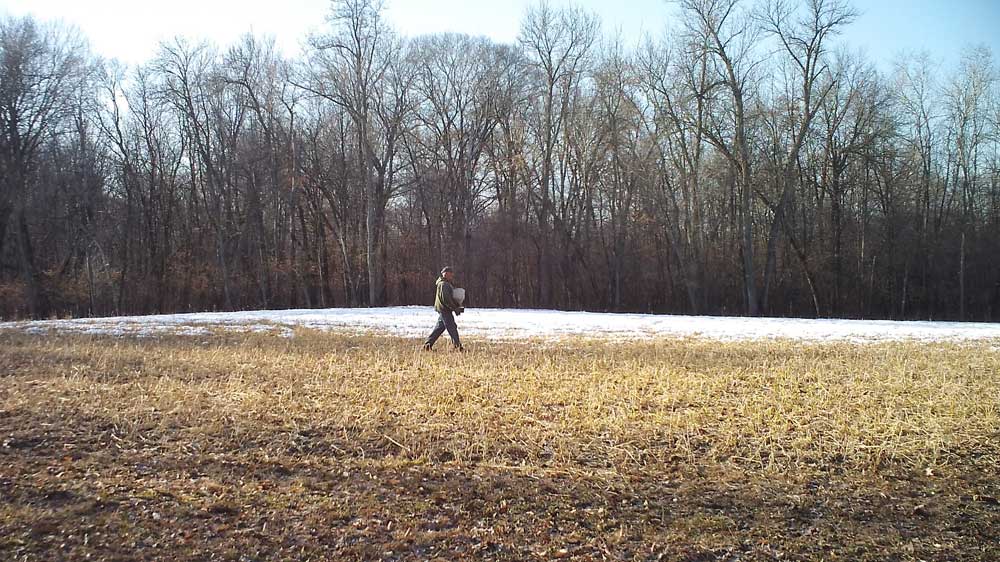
point(504, 324)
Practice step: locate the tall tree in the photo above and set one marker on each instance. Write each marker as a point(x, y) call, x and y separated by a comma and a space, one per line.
point(726, 35)
point(43, 68)
point(558, 43)
point(803, 34)
point(352, 66)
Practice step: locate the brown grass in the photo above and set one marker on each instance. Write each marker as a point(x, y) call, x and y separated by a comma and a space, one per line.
point(573, 404)
point(338, 447)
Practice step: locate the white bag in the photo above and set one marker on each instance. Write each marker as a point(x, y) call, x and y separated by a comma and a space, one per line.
point(459, 296)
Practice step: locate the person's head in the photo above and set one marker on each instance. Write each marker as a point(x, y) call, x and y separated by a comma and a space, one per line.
point(447, 273)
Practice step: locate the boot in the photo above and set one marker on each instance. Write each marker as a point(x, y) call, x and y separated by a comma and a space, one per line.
point(427, 347)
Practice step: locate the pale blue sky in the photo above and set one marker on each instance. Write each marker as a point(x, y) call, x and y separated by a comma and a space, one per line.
point(130, 29)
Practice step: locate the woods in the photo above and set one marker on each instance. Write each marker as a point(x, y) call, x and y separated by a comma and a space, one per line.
point(745, 162)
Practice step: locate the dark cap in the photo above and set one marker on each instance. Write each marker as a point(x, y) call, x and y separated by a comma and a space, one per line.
point(447, 269)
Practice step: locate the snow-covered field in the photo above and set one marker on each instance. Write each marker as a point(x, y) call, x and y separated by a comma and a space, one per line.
point(416, 321)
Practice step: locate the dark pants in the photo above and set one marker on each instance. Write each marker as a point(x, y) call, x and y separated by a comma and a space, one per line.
point(446, 321)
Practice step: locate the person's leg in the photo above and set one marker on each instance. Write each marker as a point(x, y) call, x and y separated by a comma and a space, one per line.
point(438, 330)
point(449, 320)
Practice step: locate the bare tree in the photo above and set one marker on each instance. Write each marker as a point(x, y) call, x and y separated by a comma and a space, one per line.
point(625, 157)
point(42, 69)
point(803, 35)
point(967, 101)
point(847, 119)
point(458, 86)
point(675, 81)
point(726, 35)
point(351, 66)
point(212, 117)
point(915, 94)
point(558, 43)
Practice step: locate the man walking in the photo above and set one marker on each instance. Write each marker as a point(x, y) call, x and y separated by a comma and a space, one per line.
point(447, 308)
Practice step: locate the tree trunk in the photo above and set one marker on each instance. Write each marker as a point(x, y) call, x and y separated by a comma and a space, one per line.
point(961, 281)
point(26, 266)
point(749, 277)
point(220, 250)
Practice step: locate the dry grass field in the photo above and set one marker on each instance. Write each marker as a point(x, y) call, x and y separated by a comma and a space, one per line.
point(336, 447)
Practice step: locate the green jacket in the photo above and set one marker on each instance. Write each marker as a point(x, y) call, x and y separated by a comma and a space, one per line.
point(443, 299)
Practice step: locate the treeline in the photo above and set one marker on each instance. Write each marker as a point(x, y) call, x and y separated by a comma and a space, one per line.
point(743, 163)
